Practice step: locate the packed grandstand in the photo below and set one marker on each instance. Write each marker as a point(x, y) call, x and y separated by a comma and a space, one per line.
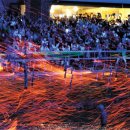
point(66, 34)
point(76, 33)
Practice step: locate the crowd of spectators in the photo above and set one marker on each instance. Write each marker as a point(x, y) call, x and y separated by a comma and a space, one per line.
point(77, 33)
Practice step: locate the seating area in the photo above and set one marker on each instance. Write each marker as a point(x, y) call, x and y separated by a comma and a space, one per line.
point(65, 34)
point(80, 33)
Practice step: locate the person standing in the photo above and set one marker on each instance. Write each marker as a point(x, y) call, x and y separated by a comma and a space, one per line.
point(103, 116)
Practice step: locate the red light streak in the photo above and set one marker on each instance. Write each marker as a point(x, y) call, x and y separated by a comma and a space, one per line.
point(51, 101)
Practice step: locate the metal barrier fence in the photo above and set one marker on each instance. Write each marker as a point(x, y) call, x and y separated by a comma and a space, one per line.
point(65, 56)
point(59, 55)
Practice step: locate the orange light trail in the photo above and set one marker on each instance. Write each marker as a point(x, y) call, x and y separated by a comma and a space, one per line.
point(51, 101)
point(1, 68)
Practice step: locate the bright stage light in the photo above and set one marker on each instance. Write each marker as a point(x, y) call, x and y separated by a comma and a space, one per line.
point(68, 13)
point(1, 67)
point(61, 15)
point(52, 10)
point(75, 8)
point(67, 30)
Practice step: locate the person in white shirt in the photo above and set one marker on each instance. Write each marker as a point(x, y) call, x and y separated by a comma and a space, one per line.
point(121, 48)
point(15, 33)
point(55, 47)
point(46, 48)
point(74, 47)
point(42, 48)
point(13, 23)
point(82, 47)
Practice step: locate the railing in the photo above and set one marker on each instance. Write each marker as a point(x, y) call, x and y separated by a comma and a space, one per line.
point(59, 55)
point(78, 53)
point(67, 55)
